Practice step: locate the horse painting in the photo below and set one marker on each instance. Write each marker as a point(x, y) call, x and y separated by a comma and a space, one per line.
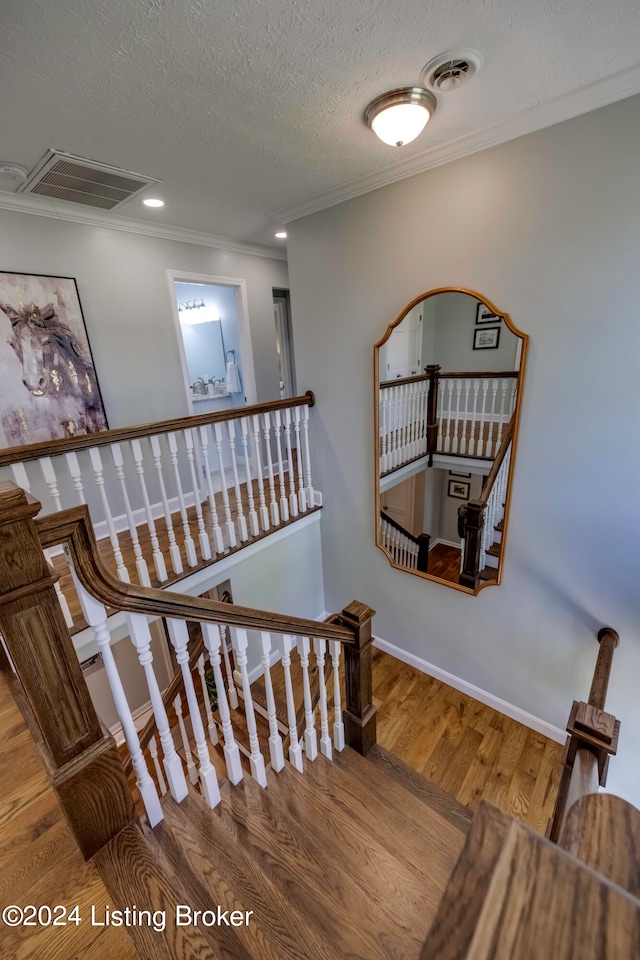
point(60, 389)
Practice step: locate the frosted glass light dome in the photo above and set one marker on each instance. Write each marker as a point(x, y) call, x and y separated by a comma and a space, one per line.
point(399, 116)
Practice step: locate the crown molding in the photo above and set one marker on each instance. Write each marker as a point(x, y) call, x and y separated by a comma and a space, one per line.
point(42, 207)
point(584, 100)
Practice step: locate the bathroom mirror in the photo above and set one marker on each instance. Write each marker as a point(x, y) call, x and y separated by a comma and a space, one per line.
point(448, 389)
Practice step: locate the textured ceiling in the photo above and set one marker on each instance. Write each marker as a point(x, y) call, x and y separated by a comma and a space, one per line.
point(243, 107)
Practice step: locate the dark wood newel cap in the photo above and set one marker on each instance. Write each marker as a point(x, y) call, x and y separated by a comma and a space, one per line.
point(16, 503)
point(604, 632)
point(358, 613)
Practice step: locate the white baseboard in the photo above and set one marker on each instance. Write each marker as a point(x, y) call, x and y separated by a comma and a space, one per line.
point(502, 706)
point(446, 543)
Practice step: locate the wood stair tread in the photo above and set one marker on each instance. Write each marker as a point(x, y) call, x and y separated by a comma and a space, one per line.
point(440, 801)
point(499, 526)
point(489, 573)
point(495, 550)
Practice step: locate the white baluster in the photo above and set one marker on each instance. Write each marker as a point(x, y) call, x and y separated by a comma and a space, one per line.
point(158, 559)
point(449, 388)
point(215, 523)
point(211, 727)
point(483, 421)
point(240, 519)
point(308, 484)
point(174, 549)
point(140, 635)
point(231, 530)
point(456, 440)
point(293, 499)
point(295, 748)
point(203, 539)
point(233, 693)
point(275, 740)
point(153, 750)
point(254, 525)
point(96, 616)
point(96, 465)
point(465, 416)
point(189, 545)
point(473, 443)
point(49, 474)
point(256, 760)
point(335, 649)
point(310, 736)
point(273, 506)
point(491, 439)
point(212, 641)
point(282, 503)
point(302, 495)
point(76, 475)
point(255, 435)
point(320, 649)
point(179, 636)
point(384, 439)
point(504, 383)
point(21, 478)
point(141, 564)
point(440, 443)
point(188, 756)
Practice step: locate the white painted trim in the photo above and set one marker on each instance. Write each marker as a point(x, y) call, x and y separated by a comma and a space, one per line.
point(197, 582)
point(502, 706)
point(59, 210)
point(450, 461)
point(244, 328)
point(403, 473)
point(584, 99)
point(446, 543)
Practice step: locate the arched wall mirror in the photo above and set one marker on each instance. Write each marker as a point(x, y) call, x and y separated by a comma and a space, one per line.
point(448, 388)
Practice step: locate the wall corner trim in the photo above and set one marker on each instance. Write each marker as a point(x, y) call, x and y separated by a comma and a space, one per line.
point(502, 706)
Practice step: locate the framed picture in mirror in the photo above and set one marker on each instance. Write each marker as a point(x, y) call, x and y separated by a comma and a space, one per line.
point(485, 315)
point(486, 338)
point(459, 489)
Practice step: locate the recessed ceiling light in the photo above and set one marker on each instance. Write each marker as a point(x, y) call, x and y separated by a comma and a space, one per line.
point(153, 202)
point(281, 235)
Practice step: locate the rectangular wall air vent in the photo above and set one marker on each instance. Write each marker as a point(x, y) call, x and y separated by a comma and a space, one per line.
point(62, 176)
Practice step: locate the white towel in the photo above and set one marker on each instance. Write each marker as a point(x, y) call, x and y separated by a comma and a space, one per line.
point(233, 377)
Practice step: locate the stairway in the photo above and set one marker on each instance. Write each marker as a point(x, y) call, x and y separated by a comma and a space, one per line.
point(347, 861)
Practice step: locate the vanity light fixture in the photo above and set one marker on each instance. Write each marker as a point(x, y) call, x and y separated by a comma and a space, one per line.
point(281, 235)
point(399, 116)
point(153, 202)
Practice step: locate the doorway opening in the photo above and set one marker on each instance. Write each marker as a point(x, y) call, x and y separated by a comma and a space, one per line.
point(284, 343)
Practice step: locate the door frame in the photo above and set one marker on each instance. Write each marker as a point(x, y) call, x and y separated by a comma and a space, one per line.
point(242, 317)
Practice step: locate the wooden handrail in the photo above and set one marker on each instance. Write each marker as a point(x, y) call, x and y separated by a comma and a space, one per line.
point(74, 528)
point(53, 448)
point(487, 487)
point(593, 738)
point(398, 383)
point(398, 526)
point(487, 374)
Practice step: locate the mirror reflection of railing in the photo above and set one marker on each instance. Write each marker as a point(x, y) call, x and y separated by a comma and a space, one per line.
point(464, 414)
point(405, 548)
point(481, 522)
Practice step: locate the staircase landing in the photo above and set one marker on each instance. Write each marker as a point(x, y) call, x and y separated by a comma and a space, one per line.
point(345, 862)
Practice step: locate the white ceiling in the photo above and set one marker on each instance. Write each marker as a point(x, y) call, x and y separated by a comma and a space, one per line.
point(246, 107)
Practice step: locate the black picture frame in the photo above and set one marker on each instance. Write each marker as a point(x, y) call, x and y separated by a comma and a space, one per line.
point(459, 489)
point(484, 315)
point(482, 339)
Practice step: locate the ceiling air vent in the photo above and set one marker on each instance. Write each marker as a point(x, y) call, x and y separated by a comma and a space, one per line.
point(61, 176)
point(451, 70)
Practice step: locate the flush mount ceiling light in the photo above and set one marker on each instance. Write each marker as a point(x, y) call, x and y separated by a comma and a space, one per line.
point(153, 202)
point(281, 235)
point(399, 116)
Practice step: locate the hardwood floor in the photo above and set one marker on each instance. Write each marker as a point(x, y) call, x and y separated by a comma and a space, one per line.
point(39, 861)
point(444, 562)
point(467, 749)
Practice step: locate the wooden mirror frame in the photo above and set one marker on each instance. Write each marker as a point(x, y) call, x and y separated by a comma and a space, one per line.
point(515, 419)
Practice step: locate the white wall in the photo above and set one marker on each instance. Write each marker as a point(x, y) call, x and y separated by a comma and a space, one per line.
point(548, 227)
point(126, 300)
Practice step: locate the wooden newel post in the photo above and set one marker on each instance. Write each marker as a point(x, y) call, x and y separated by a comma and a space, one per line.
point(360, 714)
point(433, 372)
point(81, 759)
point(473, 522)
point(608, 640)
